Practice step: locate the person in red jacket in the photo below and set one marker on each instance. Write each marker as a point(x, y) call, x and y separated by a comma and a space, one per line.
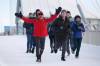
point(40, 29)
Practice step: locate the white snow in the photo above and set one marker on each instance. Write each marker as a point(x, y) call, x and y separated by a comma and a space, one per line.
point(13, 48)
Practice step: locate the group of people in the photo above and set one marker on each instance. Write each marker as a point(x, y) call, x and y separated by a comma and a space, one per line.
point(63, 31)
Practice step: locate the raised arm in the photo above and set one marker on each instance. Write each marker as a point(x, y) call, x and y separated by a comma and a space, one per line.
point(28, 20)
point(53, 17)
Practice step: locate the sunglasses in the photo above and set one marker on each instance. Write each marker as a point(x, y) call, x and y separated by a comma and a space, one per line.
point(40, 13)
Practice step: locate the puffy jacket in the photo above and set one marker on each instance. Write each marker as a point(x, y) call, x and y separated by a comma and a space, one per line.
point(62, 28)
point(77, 30)
point(40, 25)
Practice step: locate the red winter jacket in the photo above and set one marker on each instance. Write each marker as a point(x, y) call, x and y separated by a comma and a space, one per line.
point(40, 25)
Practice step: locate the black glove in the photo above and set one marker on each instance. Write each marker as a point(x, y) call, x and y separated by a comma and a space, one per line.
point(19, 15)
point(58, 10)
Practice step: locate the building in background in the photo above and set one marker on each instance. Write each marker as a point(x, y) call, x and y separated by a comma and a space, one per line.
point(9, 30)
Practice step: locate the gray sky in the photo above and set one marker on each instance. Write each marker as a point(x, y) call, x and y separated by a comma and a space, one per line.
point(91, 8)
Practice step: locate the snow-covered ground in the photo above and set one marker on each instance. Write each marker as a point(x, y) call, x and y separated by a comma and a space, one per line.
point(13, 48)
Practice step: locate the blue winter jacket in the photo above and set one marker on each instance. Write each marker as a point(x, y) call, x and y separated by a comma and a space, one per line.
point(77, 30)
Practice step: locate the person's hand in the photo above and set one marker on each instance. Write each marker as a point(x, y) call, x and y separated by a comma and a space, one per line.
point(19, 15)
point(80, 28)
point(58, 10)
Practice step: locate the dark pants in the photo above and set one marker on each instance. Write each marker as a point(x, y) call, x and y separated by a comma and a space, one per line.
point(70, 44)
point(58, 44)
point(77, 42)
point(29, 42)
point(63, 49)
point(40, 45)
point(52, 41)
point(67, 45)
point(33, 42)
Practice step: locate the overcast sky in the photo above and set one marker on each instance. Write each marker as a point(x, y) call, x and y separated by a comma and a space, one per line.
point(91, 8)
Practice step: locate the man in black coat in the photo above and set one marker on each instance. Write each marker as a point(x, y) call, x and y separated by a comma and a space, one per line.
point(62, 30)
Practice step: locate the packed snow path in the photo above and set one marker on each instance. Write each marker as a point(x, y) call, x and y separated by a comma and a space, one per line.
point(13, 48)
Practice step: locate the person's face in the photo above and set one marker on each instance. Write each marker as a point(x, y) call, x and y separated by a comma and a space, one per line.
point(68, 15)
point(63, 14)
point(30, 15)
point(39, 14)
point(78, 20)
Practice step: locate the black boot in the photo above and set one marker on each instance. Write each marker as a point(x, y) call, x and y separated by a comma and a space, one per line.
point(73, 52)
point(60, 49)
point(52, 50)
point(38, 58)
point(63, 59)
point(76, 56)
point(68, 53)
point(33, 50)
point(28, 51)
point(55, 51)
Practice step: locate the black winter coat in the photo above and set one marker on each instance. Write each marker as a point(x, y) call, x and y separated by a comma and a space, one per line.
point(62, 29)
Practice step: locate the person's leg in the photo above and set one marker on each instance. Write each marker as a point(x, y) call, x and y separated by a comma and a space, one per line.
point(51, 43)
point(56, 45)
point(59, 43)
point(63, 51)
point(42, 45)
point(75, 45)
point(41, 48)
point(67, 44)
point(79, 40)
point(33, 44)
point(72, 43)
point(27, 43)
point(37, 48)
